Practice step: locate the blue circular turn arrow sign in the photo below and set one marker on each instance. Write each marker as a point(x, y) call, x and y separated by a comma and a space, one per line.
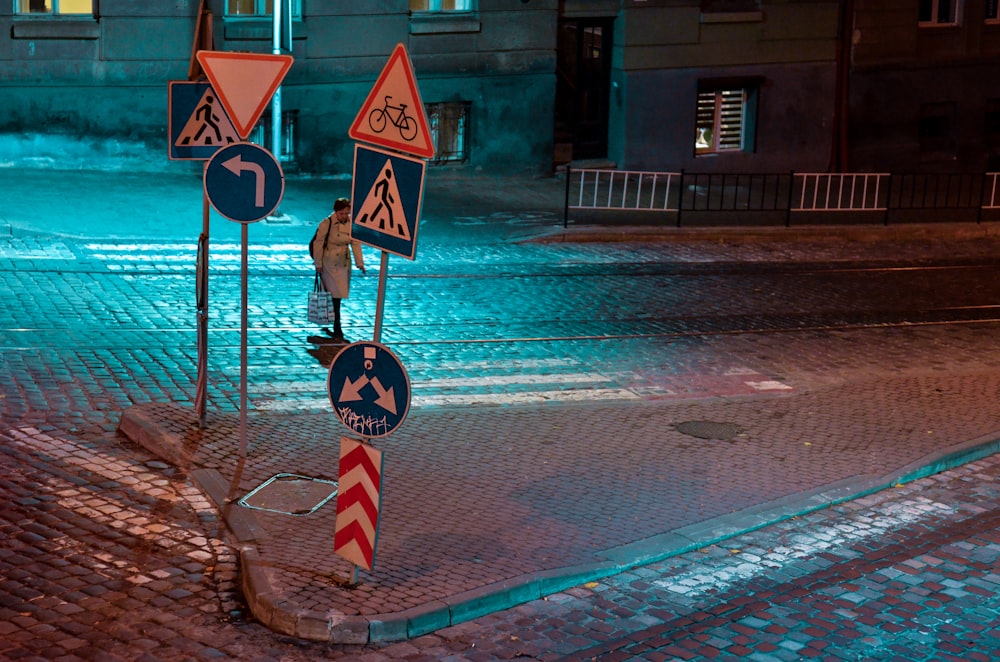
point(369, 389)
point(244, 182)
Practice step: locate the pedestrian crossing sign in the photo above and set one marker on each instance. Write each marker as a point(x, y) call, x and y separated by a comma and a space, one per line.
point(198, 125)
point(385, 200)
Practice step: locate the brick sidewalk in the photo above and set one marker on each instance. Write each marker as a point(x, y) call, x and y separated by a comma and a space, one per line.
point(485, 508)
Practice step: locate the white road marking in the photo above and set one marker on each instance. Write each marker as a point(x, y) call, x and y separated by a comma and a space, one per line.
point(769, 385)
point(51, 251)
point(499, 387)
point(464, 399)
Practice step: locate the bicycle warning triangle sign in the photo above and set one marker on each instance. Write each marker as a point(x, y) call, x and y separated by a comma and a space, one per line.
point(393, 115)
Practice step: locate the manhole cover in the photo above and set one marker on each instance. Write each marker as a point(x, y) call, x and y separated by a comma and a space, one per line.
point(709, 430)
point(290, 494)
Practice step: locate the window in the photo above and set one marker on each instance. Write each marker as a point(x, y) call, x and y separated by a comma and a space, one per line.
point(262, 135)
point(258, 8)
point(449, 130)
point(992, 14)
point(441, 5)
point(936, 129)
point(62, 7)
point(725, 119)
point(443, 16)
point(727, 6)
point(992, 121)
point(939, 12)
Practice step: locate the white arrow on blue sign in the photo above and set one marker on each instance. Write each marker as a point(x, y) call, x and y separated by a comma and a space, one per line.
point(244, 182)
point(369, 389)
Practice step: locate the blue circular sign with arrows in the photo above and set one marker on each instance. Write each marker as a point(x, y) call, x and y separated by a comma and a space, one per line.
point(244, 182)
point(369, 389)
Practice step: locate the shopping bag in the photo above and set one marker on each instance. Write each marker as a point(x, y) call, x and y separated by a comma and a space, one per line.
point(320, 303)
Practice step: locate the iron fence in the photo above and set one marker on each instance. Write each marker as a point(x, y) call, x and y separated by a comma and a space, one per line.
point(780, 197)
point(842, 191)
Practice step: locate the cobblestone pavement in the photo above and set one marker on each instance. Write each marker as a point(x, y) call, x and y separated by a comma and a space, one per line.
point(92, 570)
point(111, 553)
point(904, 574)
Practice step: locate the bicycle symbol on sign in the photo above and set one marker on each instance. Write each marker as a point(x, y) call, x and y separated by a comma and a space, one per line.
point(397, 115)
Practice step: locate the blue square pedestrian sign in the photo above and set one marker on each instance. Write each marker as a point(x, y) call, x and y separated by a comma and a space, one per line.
point(386, 197)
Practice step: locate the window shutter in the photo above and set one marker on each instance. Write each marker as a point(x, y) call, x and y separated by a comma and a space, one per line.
point(705, 119)
point(731, 119)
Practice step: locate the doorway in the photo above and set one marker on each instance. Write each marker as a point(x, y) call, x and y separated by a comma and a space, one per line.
point(583, 73)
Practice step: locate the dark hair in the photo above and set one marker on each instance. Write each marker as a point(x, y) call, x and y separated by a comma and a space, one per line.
point(341, 203)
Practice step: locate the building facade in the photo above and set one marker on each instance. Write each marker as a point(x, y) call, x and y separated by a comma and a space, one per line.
point(101, 68)
point(725, 85)
point(528, 85)
point(924, 87)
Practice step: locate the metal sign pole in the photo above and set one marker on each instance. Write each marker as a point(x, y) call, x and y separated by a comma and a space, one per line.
point(243, 345)
point(380, 303)
point(277, 8)
point(379, 307)
point(201, 286)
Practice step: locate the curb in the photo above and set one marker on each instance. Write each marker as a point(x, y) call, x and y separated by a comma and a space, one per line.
point(753, 234)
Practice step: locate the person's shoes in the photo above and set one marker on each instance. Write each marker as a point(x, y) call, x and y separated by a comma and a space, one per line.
point(336, 334)
point(322, 340)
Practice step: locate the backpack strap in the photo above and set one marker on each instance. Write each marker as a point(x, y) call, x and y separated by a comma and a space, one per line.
point(329, 226)
point(313, 241)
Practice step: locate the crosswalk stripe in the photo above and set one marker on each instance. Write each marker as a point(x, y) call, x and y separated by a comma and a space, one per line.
point(466, 399)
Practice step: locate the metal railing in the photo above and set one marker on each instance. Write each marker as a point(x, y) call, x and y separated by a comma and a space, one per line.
point(757, 192)
point(991, 190)
point(625, 189)
point(842, 191)
point(863, 195)
point(938, 191)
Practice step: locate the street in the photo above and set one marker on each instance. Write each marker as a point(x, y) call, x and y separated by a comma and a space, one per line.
point(111, 553)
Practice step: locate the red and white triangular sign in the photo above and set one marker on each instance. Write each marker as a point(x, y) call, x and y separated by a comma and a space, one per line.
point(244, 82)
point(393, 115)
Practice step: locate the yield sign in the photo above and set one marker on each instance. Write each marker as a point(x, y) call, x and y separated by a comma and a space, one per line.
point(393, 115)
point(244, 82)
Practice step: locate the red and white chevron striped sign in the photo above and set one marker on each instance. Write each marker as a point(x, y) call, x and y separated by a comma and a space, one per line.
point(359, 499)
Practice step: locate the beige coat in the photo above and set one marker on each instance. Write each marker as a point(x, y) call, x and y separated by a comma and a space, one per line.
point(335, 260)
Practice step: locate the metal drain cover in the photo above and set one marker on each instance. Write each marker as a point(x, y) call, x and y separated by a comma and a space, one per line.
point(709, 430)
point(290, 494)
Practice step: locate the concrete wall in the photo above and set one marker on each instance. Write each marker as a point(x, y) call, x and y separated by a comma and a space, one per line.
point(108, 76)
point(899, 67)
point(663, 48)
point(656, 115)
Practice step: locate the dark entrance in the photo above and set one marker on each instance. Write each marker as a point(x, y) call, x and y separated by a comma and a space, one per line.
point(582, 89)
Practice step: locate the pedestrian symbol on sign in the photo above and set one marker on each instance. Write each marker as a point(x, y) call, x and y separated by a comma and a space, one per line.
point(382, 209)
point(208, 125)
